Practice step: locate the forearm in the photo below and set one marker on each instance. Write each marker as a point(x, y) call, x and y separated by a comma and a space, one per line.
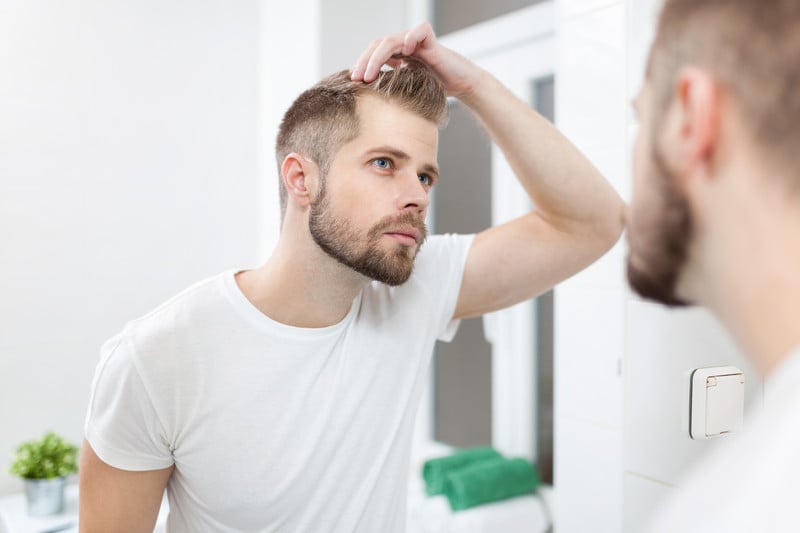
point(563, 185)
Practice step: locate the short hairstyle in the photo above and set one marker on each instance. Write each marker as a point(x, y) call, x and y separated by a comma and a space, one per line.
point(323, 118)
point(753, 48)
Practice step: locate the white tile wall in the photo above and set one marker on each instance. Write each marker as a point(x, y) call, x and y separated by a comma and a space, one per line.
point(662, 348)
point(590, 86)
point(589, 308)
point(588, 478)
point(589, 346)
point(642, 497)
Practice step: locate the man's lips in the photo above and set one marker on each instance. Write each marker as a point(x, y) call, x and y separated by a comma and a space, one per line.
point(408, 235)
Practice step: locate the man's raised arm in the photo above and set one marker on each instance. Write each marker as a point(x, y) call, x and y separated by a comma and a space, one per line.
point(578, 215)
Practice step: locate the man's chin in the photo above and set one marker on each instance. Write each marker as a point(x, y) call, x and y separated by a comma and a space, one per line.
point(394, 278)
point(659, 287)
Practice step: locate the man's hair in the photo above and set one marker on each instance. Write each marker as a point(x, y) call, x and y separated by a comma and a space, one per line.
point(324, 117)
point(753, 48)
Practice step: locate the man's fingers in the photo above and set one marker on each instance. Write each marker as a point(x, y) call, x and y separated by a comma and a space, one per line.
point(361, 65)
point(388, 47)
point(384, 51)
point(421, 34)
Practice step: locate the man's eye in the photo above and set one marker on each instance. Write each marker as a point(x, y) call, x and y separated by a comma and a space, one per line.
point(382, 163)
point(425, 180)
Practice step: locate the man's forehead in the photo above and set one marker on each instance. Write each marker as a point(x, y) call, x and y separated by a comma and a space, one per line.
point(375, 109)
point(384, 121)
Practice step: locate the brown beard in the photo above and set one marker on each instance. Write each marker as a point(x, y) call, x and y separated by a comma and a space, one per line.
point(661, 258)
point(337, 237)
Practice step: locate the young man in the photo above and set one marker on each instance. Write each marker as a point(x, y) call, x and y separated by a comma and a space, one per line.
point(283, 398)
point(715, 220)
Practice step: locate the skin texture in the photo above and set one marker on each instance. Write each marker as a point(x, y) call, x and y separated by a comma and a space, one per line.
point(385, 251)
point(116, 501)
point(371, 204)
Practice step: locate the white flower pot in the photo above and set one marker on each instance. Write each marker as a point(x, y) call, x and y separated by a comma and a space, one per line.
point(45, 496)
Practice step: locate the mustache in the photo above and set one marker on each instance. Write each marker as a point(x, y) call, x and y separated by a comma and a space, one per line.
point(404, 219)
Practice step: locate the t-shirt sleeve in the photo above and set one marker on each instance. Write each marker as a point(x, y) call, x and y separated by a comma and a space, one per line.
point(441, 268)
point(122, 424)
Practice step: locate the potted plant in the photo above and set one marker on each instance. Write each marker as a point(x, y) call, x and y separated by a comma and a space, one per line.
point(44, 464)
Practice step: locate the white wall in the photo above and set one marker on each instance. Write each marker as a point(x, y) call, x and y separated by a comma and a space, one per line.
point(289, 35)
point(348, 26)
point(622, 365)
point(128, 169)
point(589, 310)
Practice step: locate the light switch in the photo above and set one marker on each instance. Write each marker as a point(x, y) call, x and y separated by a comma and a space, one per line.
point(717, 401)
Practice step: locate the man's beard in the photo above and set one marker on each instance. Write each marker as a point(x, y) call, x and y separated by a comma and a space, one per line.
point(662, 241)
point(364, 254)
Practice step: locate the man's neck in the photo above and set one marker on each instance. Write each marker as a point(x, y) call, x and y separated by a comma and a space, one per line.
point(755, 289)
point(301, 286)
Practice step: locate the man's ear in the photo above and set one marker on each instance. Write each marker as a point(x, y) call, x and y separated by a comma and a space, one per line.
point(699, 99)
point(301, 178)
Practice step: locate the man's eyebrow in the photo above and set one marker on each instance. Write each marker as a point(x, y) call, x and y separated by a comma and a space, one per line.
point(401, 155)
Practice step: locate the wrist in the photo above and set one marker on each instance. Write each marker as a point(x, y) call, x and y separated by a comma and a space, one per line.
point(477, 87)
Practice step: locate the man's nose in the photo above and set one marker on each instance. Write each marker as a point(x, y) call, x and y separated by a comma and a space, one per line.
point(412, 194)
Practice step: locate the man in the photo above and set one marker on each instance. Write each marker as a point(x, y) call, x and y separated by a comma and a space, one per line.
point(715, 220)
point(282, 398)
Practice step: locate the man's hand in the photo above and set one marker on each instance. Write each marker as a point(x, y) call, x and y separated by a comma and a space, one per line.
point(458, 75)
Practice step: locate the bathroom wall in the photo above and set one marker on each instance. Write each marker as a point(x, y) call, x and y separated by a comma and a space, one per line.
point(128, 170)
point(589, 308)
point(622, 364)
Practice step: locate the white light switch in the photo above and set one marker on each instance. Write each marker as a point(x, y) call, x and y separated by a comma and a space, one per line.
point(717, 401)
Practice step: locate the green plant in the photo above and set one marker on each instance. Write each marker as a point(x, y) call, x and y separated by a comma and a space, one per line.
point(49, 457)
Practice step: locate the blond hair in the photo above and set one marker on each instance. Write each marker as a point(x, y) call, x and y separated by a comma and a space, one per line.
point(324, 117)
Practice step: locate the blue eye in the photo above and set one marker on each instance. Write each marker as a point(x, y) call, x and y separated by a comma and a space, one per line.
point(382, 163)
point(425, 180)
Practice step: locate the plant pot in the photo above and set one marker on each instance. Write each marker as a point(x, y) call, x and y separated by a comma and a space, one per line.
point(45, 496)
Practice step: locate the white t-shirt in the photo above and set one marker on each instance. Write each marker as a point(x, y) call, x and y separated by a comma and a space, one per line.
point(752, 483)
point(273, 427)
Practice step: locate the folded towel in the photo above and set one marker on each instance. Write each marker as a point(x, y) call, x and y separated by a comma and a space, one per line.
point(490, 481)
point(434, 471)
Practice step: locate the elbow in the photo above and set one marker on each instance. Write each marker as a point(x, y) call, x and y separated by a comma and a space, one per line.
point(614, 224)
point(605, 229)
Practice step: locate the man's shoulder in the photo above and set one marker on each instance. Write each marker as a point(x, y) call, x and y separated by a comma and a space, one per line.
point(188, 310)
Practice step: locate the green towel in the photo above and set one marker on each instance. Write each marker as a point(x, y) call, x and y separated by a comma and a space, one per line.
point(490, 481)
point(434, 471)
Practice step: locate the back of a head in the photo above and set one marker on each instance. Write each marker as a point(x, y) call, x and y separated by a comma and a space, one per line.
point(753, 48)
point(324, 117)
